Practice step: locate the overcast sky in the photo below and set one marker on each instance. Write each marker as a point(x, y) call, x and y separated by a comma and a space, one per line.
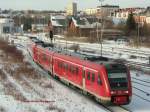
point(61, 4)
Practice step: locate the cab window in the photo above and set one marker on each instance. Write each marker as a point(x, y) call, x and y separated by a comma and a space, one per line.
point(99, 80)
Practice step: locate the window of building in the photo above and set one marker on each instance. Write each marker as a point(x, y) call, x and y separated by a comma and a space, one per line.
point(6, 29)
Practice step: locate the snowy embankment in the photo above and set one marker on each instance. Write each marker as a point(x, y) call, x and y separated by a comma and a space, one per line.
point(24, 87)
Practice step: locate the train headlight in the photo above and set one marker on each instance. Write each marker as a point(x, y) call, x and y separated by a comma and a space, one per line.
point(113, 92)
point(126, 92)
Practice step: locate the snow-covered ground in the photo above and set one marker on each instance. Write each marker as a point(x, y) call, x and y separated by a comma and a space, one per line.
point(141, 93)
point(25, 87)
point(41, 93)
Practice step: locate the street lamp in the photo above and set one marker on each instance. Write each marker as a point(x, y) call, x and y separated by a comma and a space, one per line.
point(101, 37)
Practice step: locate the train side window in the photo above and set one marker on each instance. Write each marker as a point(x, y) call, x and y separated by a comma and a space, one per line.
point(73, 69)
point(88, 75)
point(44, 58)
point(99, 80)
point(58, 63)
point(77, 70)
point(93, 77)
point(70, 68)
point(66, 66)
point(50, 59)
point(61, 64)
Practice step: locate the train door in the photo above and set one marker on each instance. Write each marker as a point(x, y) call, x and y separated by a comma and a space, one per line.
point(40, 56)
point(51, 64)
point(66, 70)
point(35, 53)
point(98, 84)
point(93, 81)
point(70, 72)
point(88, 79)
point(83, 78)
point(79, 75)
point(56, 66)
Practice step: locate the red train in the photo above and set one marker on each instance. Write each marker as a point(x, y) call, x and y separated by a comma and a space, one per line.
point(108, 81)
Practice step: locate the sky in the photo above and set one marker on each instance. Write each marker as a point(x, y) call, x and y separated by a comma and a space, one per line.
point(61, 4)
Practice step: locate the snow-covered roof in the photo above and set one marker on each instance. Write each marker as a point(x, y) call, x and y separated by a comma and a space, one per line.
point(58, 20)
point(81, 22)
point(6, 20)
point(75, 22)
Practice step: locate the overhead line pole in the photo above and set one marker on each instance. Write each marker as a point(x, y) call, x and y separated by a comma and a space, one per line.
point(101, 37)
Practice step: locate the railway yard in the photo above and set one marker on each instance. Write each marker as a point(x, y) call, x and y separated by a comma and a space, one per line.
point(26, 87)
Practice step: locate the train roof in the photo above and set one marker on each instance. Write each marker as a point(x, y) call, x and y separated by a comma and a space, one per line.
point(83, 56)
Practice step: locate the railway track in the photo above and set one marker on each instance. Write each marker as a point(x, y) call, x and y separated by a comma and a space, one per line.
point(119, 109)
point(141, 97)
point(148, 82)
point(142, 83)
point(110, 49)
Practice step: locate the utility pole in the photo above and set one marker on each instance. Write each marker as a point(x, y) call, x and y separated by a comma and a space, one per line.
point(138, 36)
point(101, 37)
point(66, 28)
point(138, 33)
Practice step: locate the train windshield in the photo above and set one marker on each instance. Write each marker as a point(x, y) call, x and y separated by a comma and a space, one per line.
point(117, 76)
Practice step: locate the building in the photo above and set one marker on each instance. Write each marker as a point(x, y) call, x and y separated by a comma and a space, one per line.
point(107, 10)
point(80, 27)
point(147, 13)
point(148, 20)
point(71, 9)
point(6, 25)
point(38, 27)
point(90, 11)
point(140, 19)
point(59, 24)
point(124, 13)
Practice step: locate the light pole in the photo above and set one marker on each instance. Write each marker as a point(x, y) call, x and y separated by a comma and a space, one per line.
point(101, 37)
point(139, 25)
point(138, 35)
point(66, 28)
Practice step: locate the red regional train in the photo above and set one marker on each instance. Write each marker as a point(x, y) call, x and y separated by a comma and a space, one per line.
point(107, 81)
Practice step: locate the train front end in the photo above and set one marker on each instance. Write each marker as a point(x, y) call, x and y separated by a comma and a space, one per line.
point(120, 83)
